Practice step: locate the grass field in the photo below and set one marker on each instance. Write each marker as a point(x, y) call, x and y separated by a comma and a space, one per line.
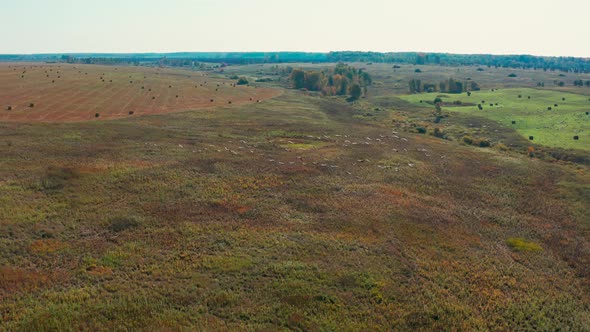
point(64, 93)
point(296, 213)
point(555, 127)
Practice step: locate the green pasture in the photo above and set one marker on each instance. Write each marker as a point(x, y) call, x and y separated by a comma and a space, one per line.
point(555, 127)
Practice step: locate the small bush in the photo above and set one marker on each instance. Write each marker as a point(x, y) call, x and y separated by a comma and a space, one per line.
point(520, 244)
point(242, 81)
point(501, 147)
point(467, 139)
point(120, 224)
point(438, 133)
point(56, 178)
point(512, 75)
point(484, 143)
point(421, 130)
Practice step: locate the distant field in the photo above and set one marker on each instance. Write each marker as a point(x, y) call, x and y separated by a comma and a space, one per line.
point(69, 93)
point(556, 127)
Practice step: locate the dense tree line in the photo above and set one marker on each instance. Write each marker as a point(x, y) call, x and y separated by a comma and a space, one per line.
point(579, 65)
point(341, 80)
point(581, 83)
point(449, 86)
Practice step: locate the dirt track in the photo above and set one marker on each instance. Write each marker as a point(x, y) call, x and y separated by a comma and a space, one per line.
point(72, 93)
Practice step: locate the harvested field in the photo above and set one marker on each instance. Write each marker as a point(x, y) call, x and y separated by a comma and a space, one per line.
point(73, 93)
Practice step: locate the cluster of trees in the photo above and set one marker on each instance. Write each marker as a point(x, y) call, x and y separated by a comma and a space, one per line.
point(581, 83)
point(341, 80)
point(449, 86)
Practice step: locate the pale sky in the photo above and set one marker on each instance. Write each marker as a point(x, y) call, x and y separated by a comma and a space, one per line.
point(538, 27)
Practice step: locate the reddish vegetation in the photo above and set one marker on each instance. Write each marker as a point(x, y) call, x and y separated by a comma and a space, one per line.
point(81, 92)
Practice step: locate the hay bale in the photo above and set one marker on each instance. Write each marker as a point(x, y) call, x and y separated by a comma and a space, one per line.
point(31, 104)
point(131, 112)
point(212, 100)
point(9, 108)
point(229, 102)
point(96, 115)
point(153, 98)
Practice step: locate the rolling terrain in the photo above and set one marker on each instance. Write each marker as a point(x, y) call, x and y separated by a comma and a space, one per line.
point(298, 212)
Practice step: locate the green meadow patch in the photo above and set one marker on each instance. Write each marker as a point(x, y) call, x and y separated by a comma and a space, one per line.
point(551, 118)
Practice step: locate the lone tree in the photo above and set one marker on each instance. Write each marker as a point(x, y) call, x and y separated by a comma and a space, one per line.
point(355, 91)
point(298, 78)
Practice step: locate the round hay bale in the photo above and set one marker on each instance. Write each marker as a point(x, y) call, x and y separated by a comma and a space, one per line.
point(131, 112)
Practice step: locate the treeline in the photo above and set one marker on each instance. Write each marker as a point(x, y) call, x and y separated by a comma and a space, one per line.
point(449, 86)
point(581, 83)
point(578, 65)
point(568, 64)
point(342, 80)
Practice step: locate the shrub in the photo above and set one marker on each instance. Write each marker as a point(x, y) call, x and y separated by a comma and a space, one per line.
point(119, 224)
point(484, 143)
point(501, 147)
point(467, 139)
point(512, 75)
point(438, 133)
point(56, 178)
point(421, 130)
point(242, 81)
point(417, 70)
point(520, 244)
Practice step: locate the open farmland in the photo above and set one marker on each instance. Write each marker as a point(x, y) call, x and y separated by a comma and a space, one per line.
point(552, 118)
point(69, 93)
point(300, 212)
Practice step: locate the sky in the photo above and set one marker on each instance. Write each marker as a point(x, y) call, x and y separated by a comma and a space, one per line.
point(538, 27)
